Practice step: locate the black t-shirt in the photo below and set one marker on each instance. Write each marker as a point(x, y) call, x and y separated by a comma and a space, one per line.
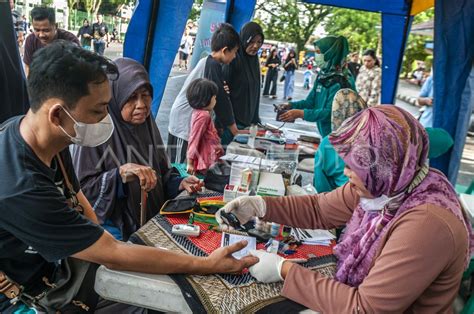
point(99, 30)
point(223, 109)
point(37, 228)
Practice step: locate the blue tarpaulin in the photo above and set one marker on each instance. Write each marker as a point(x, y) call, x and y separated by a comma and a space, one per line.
point(453, 77)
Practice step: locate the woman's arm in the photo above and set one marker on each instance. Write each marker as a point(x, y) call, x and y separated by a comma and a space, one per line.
point(408, 264)
point(320, 211)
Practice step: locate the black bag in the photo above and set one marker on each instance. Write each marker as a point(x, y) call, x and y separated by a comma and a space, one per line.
point(217, 177)
point(71, 289)
point(282, 78)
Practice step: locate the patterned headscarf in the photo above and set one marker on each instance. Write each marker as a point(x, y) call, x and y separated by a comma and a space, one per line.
point(387, 148)
point(335, 50)
point(346, 103)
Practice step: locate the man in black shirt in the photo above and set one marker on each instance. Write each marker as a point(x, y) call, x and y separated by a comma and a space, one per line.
point(100, 33)
point(69, 94)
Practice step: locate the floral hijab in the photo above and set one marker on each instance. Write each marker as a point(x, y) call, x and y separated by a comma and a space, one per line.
point(387, 148)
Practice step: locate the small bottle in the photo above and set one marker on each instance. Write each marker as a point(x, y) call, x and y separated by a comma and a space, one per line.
point(286, 231)
point(275, 230)
point(253, 130)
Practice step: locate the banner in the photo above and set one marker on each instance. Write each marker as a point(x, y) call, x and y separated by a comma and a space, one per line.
point(212, 14)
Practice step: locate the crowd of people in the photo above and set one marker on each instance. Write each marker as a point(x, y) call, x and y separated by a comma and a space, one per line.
point(371, 171)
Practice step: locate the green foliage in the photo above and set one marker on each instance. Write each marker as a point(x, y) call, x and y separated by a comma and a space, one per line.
point(290, 20)
point(196, 10)
point(362, 29)
point(415, 48)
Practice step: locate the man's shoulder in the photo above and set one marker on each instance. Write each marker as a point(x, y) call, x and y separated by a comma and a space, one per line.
point(66, 35)
point(30, 40)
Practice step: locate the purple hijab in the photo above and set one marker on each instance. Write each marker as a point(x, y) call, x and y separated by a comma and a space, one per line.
point(387, 148)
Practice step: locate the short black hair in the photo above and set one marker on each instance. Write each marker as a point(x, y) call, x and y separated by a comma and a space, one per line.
point(43, 13)
point(63, 70)
point(200, 92)
point(225, 36)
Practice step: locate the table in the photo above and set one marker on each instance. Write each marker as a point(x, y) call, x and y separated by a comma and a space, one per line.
point(159, 292)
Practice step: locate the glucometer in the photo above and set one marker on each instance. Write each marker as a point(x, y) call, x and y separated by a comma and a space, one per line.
point(231, 220)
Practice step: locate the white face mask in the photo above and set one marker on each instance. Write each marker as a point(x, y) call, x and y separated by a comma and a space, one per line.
point(375, 204)
point(91, 135)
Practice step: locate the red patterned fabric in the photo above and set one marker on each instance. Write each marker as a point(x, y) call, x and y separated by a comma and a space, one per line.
point(210, 240)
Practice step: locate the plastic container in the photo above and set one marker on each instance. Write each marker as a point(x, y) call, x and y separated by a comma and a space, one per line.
point(275, 230)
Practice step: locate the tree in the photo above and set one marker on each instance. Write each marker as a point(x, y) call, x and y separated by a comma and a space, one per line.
point(362, 29)
point(290, 20)
point(196, 10)
point(415, 48)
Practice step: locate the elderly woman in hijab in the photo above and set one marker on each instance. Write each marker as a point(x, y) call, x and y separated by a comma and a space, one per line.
point(328, 166)
point(134, 154)
point(243, 77)
point(330, 58)
point(407, 239)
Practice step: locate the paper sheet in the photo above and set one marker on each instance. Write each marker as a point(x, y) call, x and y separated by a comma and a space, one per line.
point(229, 239)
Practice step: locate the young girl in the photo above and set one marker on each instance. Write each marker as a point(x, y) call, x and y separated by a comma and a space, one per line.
point(204, 147)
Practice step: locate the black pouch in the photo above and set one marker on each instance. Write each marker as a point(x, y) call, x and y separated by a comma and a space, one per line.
point(217, 177)
point(180, 205)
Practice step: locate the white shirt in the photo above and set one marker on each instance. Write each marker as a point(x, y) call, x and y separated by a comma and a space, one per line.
point(181, 111)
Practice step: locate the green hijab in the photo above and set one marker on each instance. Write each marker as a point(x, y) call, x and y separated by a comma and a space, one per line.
point(335, 50)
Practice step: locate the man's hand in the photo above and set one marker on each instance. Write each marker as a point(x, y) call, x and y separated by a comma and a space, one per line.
point(221, 261)
point(425, 101)
point(145, 174)
point(292, 115)
point(244, 208)
point(191, 184)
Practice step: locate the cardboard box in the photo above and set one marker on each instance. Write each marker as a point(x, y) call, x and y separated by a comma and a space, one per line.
point(271, 184)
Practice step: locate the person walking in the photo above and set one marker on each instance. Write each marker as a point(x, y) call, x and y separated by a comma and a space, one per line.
point(273, 62)
point(101, 35)
point(263, 66)
point(290, 67)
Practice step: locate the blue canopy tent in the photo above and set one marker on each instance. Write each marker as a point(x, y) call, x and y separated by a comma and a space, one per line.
point(155, 31)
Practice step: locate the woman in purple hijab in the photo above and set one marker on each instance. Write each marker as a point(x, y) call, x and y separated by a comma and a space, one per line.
point(134, 154)
point(407, 240)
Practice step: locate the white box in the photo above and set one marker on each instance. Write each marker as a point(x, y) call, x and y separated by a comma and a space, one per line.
point(271, 184)
point(230, 192)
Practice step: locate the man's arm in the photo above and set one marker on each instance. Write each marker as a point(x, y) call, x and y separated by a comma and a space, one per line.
point(123, 256)
point(88, 210)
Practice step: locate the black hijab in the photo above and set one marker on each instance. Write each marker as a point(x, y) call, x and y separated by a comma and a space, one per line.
point(97, 167)
point(243, 78)
point(13, 94)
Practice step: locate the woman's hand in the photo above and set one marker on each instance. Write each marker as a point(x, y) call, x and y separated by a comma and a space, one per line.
point(268, 268)
point(191, 184)
point(292, 115)
point(145, 174)
point(284, 106)
point(244, 208)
